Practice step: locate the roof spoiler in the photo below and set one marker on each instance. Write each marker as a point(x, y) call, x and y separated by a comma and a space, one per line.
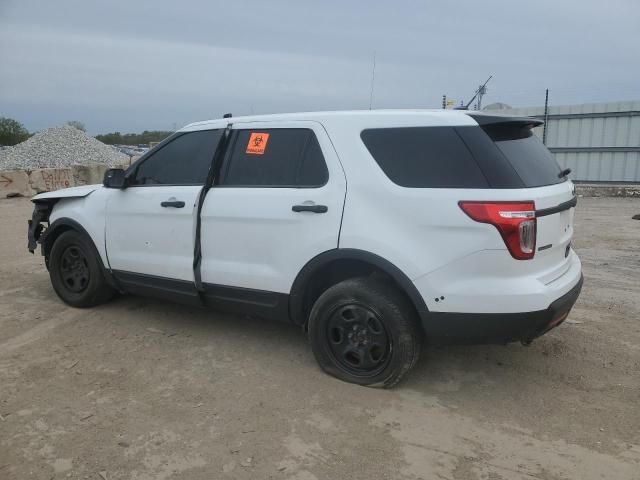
point(486, 120)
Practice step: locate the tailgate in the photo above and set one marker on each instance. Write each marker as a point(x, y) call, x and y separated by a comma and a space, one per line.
point(554, 213)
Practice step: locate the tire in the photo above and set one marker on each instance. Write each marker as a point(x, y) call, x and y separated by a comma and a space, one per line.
point(76, 271)
point(348, 325)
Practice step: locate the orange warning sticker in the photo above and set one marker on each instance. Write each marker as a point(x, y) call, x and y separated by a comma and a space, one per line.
point(257, 143)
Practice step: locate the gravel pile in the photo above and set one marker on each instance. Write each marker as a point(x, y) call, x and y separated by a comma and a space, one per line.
point(59, 147)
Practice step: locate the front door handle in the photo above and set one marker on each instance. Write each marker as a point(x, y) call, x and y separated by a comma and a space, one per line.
point(310, 208)
point(172, 203)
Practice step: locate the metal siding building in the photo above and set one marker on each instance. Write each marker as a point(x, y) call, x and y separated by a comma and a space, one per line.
point(599, 142)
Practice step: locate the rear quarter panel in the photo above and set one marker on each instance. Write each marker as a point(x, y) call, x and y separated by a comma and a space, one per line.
point(422, 230)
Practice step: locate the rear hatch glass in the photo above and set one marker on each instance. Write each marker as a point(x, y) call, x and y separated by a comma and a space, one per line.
point(528, 156)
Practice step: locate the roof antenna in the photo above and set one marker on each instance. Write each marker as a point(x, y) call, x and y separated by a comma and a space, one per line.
point(482, 89)
point(227, 115)
point(373, 77)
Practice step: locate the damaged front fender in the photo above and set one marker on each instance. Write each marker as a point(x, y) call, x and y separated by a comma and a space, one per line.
point(44, 203)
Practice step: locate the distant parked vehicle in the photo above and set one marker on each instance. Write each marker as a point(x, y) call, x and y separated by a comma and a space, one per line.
point(133, 151)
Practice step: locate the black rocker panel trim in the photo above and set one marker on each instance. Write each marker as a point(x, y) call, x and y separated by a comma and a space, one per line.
point(262, 303)
point(247, 301)
point(178, 291)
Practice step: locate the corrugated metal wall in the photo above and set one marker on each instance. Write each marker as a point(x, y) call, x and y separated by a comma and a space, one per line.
point(599, 142)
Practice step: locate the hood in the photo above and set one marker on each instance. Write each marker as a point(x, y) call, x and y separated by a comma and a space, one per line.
point(73, 192)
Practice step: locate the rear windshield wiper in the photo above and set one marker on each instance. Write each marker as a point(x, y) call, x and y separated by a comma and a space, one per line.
point(564, 173)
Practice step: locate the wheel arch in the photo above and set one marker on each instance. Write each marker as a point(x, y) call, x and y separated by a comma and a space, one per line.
point(65, 224)
point(57, 228)
point(333, 266)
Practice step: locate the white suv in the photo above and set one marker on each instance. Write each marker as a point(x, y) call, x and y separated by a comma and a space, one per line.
point(377, 231)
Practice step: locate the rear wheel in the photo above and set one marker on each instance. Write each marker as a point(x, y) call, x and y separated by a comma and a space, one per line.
point(76, 273)
point(364, 331)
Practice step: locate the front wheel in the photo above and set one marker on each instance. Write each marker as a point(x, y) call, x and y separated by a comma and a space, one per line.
point(365, 331)
point(76, 272)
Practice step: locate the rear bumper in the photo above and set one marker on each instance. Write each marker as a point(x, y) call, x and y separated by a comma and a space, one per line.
point(491, 281)
point(498, 328)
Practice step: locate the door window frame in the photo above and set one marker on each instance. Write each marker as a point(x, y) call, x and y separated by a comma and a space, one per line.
point(280, 125)
point(132, 170)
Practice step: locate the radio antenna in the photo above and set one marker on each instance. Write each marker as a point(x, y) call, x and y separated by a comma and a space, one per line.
point(373, 77)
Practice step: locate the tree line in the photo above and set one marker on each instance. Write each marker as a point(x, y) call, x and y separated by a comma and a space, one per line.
point(12, 132)
point(117, 138)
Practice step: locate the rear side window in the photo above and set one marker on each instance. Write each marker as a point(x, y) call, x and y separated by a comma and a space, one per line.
point(283, 157)
point(431, 157)
point(531, 160)
point(183, 161)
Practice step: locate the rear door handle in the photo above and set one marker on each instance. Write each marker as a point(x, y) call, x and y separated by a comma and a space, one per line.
point(172, 203)
point(310, 208)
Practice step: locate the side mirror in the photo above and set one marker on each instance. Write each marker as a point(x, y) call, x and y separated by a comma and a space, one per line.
point(114, 178)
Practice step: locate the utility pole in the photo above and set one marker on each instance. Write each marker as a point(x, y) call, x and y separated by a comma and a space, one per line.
point(482, 90)
point(546, 116)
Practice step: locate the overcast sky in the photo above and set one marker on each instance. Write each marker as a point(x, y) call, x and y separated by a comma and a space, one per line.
point(131, 65)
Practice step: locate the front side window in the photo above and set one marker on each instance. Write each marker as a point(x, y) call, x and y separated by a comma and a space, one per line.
point(282, 157)
point(183, 161)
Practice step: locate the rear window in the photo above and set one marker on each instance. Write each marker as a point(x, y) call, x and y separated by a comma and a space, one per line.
point(531, 160)
point(502, 155)
point(424, 157)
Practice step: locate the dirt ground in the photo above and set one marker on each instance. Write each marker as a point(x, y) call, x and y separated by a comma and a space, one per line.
point(141, 389)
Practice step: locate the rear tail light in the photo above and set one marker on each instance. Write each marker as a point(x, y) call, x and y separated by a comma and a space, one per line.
point(516, 222)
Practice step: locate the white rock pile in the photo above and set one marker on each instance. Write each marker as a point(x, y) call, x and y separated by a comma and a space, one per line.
point(59, 147)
